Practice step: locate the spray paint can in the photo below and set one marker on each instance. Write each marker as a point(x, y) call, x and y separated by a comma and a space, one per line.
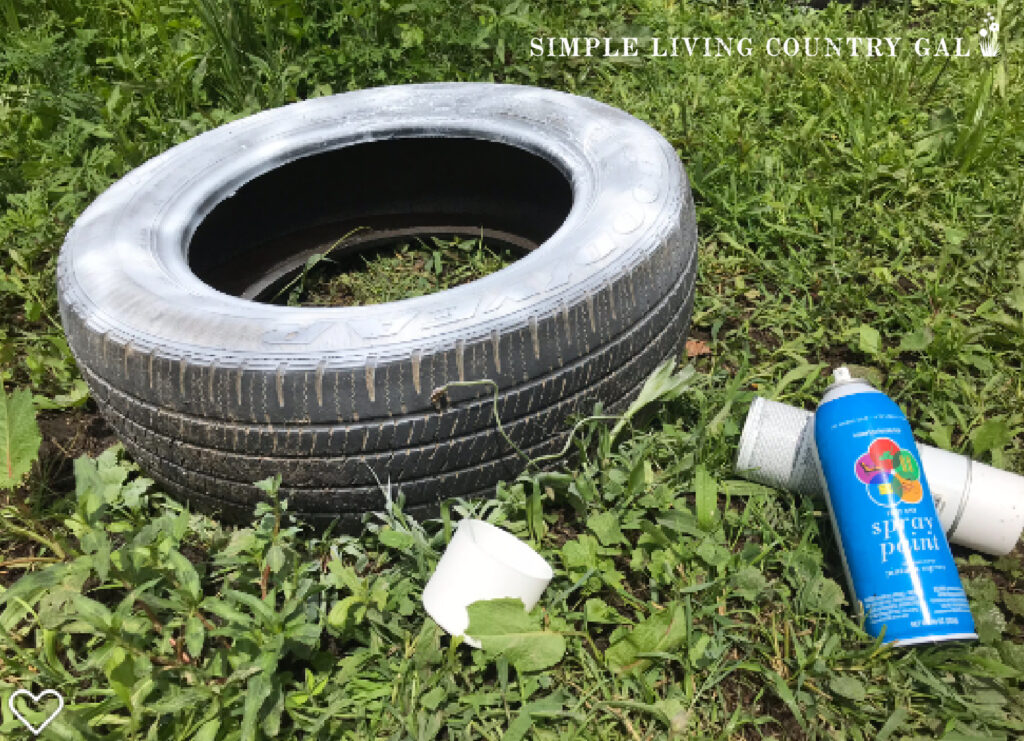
point(894, 551)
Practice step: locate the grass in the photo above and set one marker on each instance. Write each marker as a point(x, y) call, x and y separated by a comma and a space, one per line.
point(392, 272)
point(866, 211)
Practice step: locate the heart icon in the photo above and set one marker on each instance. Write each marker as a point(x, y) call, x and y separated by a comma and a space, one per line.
point(36, 698)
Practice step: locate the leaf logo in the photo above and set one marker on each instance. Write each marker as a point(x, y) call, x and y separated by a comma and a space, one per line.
point(989, 34)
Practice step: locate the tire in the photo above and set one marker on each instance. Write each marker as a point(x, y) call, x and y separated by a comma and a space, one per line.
point(210, 389)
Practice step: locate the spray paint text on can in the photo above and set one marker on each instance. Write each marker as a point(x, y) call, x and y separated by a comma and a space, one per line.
point(894, 550)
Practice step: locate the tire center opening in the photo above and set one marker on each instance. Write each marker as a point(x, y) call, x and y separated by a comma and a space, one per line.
point(484, 201)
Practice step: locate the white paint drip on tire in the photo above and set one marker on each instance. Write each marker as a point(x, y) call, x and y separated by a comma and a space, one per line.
point(279, 383)
point(371, 374)
point(318, 382)
point(417, 357)
point(496, 346)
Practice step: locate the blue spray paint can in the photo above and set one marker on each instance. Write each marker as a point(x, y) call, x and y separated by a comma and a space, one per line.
point(894, 550)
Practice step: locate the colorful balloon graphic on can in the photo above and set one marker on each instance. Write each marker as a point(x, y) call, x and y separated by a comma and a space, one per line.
point(889, 474)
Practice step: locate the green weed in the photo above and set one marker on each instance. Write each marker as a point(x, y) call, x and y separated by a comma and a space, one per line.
point(390, 274)
point(157, 623)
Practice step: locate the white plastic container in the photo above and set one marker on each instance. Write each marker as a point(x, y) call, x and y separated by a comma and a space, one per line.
point(979, 506)
point(482, 562)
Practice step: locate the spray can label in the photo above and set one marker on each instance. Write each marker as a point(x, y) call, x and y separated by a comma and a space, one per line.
point(894, 549)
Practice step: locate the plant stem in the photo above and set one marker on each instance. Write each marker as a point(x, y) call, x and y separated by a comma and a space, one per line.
point(438, 392)
point(32, 535)
point(28, 560)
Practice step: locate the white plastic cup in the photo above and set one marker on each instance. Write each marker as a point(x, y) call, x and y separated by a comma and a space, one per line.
point(482, 562)
point(979, 506)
